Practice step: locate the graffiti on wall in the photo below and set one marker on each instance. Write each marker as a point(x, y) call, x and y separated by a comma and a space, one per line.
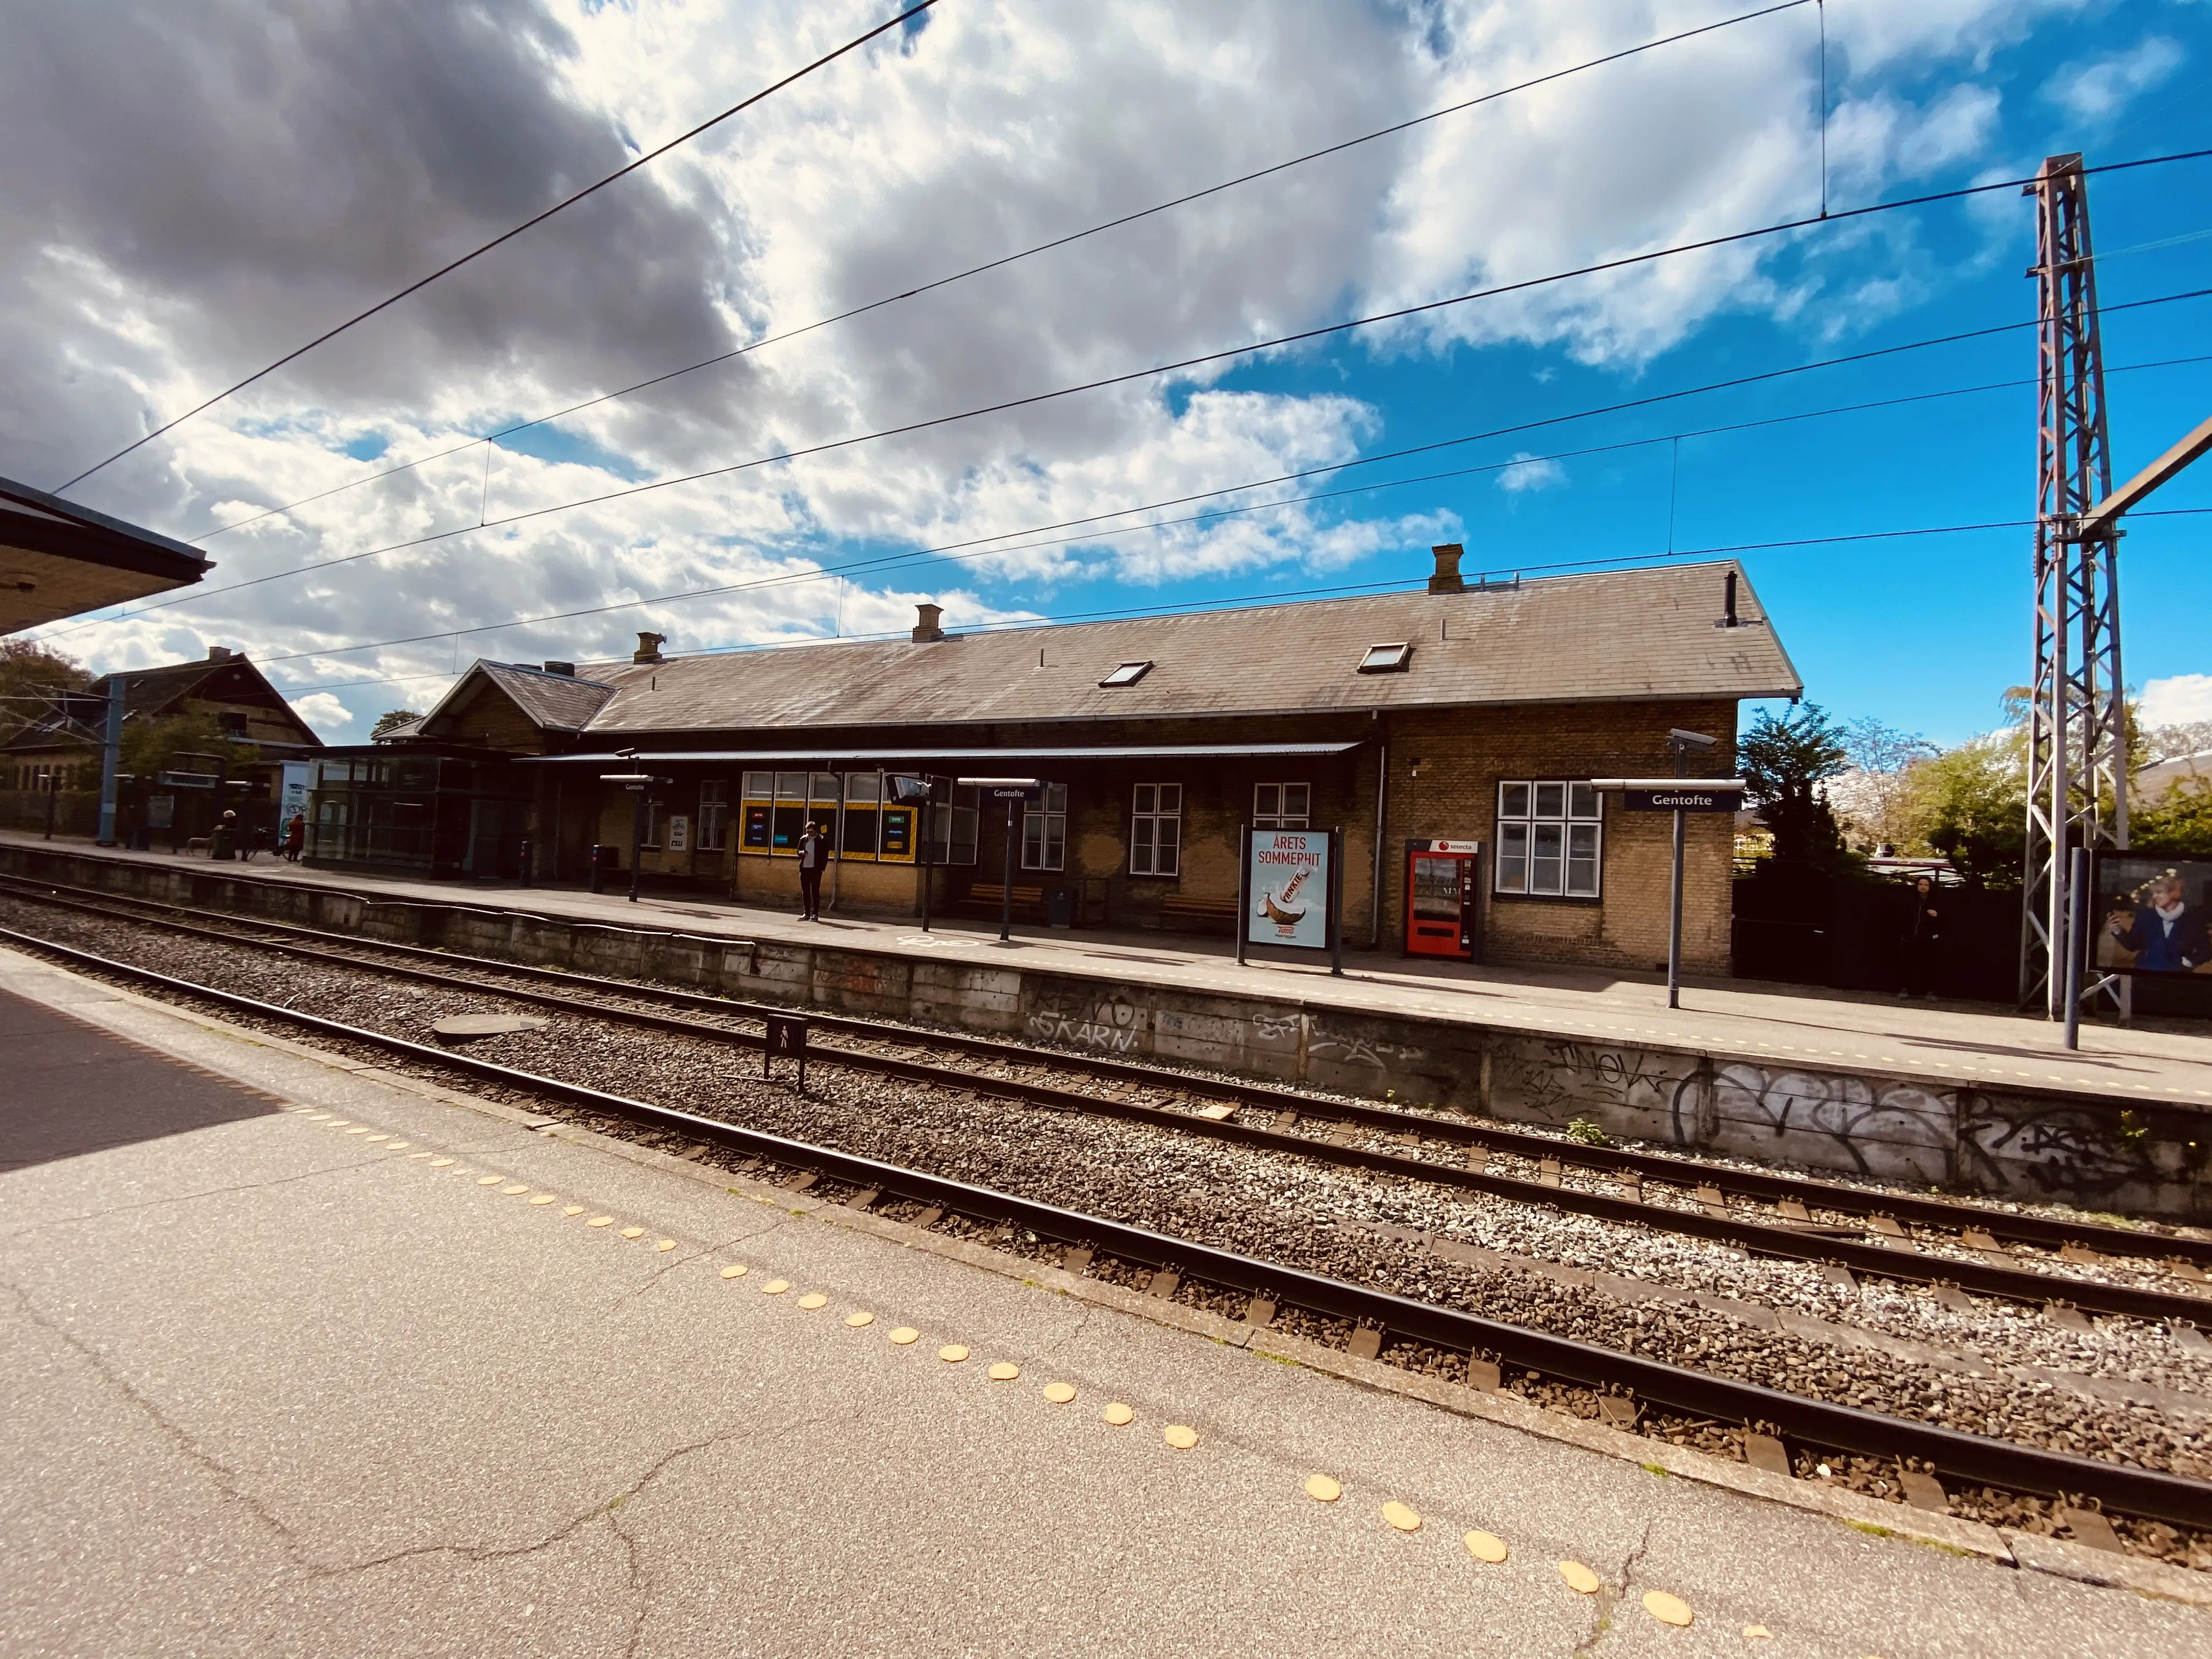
point(2056, 1149)
point(1873, 1125)
point(1105, 1023)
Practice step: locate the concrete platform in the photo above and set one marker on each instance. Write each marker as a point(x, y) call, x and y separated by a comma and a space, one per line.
point(288, 1380)
point(1956, 1095)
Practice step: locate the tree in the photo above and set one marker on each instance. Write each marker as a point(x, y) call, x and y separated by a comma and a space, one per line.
point(2163, 743)
point(28, 672)
point(390, 719)
point(1786, 760)
point(1873, 747)
point(1868, 798)
point(2178, 824)
point(151, 747)
point(1970, 804)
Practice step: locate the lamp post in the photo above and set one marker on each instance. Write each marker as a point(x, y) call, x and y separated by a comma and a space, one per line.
point(1014, 791)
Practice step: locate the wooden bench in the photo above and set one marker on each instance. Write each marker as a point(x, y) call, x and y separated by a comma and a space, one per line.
point(1186, 907)
point(991, 895)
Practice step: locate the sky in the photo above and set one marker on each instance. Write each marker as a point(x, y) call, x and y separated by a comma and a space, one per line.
point(186, 197)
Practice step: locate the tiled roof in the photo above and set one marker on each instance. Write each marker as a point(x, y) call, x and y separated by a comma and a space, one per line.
point(556, 702)
point(1620, 635)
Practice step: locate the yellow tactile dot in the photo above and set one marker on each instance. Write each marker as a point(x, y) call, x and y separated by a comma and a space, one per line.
point(361, 1129)
point(320, 1117)
point(1580, 1579)
point(1118, 1414)
point(1485, 1546)
point(776, 1287)
point(1059, 1393)
point(1401, 1518)
point(812, 1300)
point(1179, 1436)
point(514, 1188)
point(1667, 1609)
point(336, 1122)
point(953, 1353)
point(666, 1245)
point(1322, 1490)
point(544, 1198)
point(572, 1209)
point(632, 1232)
point(398, 1147)
point(373, 1139)
point(440, 1163)
point(735, 1270)
point(906, 1336)
point(858, 1320)
point(600, 1221)
point(412, 1156)
point(489, 1181)
point(1757, 1633)
point(1004, 1372)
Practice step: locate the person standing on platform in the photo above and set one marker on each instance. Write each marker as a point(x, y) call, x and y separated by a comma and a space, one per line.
point(813, 853)
point(1923, 937)
point(295, 836)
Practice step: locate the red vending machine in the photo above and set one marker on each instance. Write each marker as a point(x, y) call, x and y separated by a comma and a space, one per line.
point(1444, 895)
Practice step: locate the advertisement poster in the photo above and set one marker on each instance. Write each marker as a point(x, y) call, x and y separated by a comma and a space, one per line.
point(1289, 885)
point(294, 802)
point(2149, 915)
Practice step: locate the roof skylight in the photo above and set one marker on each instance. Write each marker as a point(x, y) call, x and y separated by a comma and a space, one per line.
point(1128, 673)
point(1387, 659)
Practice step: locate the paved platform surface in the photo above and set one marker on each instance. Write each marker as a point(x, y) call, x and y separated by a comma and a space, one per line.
point(1954, 1042)
point(293, 1373)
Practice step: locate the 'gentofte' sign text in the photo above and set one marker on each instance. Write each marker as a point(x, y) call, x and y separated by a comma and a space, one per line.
point(1686, 798)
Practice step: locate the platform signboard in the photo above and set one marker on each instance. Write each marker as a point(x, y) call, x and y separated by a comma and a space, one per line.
point(1289, 881)
point(1725, 795)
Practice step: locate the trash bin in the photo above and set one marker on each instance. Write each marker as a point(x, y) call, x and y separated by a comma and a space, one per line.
point(222, 843)
point(603, 860)
point(1060, 907)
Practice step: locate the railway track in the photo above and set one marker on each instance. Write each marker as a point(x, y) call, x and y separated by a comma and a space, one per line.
point(1956, 1248)
point(1494, 1346)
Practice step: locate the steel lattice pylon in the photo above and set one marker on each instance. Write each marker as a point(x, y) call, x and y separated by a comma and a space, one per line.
point(2077, 770)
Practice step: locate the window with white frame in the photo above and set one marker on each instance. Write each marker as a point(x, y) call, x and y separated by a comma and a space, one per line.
point(1155, 829)
point(1281, 805)
point(1044, 830)
point(1550, 837)
point(714, 816)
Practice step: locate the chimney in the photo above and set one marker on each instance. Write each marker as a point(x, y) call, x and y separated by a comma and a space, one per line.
point(218, 654)
point(1447, 579)
point(1728, 601)
point(648, 648)
point(926, 625)
point(566, 670)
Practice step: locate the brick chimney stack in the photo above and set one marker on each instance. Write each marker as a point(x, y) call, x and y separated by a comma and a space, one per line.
point(649, 647)
point(927, 621)
point(1446, 578)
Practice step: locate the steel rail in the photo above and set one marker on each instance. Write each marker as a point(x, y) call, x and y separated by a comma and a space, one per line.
point(2120, 1488)
point(1673, 1169)
point(1786, 1242)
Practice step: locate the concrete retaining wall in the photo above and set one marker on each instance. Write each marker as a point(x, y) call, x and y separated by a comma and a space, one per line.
point(2040, 1146)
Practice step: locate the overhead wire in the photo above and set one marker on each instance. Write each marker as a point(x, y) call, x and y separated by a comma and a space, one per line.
point(1007, 259)
point(1197, 606)
point(453, 265)
point(1733, 382)
point(801, 578)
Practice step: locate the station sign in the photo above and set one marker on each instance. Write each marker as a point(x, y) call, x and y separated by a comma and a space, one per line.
point(1726, 796)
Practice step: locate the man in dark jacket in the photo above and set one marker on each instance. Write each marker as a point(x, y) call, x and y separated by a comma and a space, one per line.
point(1923, 936)
point(813, 854)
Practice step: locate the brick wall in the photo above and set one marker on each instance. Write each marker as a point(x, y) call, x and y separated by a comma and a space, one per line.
point(1462, 755)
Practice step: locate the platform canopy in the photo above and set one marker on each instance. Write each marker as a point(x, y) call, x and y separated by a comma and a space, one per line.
point(57, 559)
point(802, 758)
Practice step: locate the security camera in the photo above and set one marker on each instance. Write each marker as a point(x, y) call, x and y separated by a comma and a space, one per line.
point(1689, 740)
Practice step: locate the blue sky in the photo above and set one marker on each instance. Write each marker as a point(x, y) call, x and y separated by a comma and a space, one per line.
point(1000, 126)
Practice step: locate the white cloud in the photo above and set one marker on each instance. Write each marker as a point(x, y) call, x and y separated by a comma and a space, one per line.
point(1530, 474)
point(322, 711)
point(2178, 699)
point(136, 277)
point(2103, 88)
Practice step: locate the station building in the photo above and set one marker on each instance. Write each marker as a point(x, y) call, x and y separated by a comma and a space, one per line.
point(1474, 712)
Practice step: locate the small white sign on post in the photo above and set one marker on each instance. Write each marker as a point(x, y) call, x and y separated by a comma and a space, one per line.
point(1288, 887)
